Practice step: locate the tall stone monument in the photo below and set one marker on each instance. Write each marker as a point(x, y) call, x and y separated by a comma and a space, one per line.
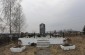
point(42, 29)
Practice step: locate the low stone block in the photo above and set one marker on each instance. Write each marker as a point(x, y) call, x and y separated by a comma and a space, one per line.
point(67, 47)
point(18, 49)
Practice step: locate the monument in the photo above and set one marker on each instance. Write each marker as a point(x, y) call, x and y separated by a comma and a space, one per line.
point(42, 29)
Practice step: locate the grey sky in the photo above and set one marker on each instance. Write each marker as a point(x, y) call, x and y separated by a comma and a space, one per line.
point(56, 14)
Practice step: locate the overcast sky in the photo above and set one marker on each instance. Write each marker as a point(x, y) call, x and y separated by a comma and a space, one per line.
point(56, 14)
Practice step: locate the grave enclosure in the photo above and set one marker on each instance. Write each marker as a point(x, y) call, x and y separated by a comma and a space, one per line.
point(42, 41)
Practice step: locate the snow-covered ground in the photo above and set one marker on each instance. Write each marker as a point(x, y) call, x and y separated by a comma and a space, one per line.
point(53, 40)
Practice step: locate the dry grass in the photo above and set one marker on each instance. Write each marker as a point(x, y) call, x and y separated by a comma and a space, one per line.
point(6, 50)
point(80, 47)
point(55, 49)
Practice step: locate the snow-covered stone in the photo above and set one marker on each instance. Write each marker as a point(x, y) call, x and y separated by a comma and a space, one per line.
point(18, 49)
point(67, 47)
point(28, 41)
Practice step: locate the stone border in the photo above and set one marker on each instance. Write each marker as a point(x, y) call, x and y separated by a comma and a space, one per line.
point(67, 47)
point(17, 49)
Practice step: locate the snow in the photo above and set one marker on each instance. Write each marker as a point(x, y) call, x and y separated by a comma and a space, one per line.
point(28, 41)
point(17, 49)
point(67, 47)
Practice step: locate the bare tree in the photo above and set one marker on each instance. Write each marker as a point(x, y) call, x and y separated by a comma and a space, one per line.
point(18, 18)
point(12, 14)
point(7, 11)
point(2, 28)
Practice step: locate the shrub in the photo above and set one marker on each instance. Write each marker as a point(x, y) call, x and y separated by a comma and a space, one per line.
point(33, 44)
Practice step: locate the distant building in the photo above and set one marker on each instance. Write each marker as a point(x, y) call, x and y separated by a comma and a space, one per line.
point(42, 29)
